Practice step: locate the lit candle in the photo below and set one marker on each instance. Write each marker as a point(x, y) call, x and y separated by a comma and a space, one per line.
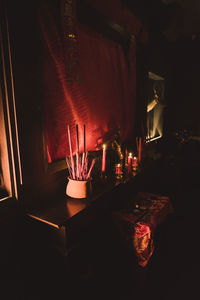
point(103, 169)
point(135, 162)
point(118, 169)
point(130, 163)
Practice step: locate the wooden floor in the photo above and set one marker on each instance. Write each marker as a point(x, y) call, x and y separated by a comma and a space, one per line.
point(101, 268)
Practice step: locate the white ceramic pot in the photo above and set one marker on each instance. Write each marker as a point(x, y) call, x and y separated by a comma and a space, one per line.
point(79, 188)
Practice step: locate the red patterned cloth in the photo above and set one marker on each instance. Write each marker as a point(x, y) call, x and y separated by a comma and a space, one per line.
point(141, 230)
point(136, 225)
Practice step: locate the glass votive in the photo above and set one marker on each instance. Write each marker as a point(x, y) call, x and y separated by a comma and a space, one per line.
point(119, 170)
point(135, 162)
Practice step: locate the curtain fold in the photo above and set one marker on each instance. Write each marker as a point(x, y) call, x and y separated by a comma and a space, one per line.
point(87, 79)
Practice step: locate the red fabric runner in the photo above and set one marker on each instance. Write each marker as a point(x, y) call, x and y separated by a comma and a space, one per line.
point(137, 226)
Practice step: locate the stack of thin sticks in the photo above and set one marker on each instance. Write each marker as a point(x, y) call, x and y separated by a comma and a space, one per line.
point(78, 167)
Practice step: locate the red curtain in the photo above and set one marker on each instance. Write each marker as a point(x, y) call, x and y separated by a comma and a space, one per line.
point(103, 95)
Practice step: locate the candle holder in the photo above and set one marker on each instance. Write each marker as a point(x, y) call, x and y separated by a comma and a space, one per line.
point(130, 158)
point(135, 163)
point(119, 171)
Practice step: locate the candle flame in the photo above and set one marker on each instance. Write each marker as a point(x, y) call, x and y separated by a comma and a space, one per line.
point(104, 146)
point(130, 155)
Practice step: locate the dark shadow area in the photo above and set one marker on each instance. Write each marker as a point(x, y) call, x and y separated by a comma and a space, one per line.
point(101, 267)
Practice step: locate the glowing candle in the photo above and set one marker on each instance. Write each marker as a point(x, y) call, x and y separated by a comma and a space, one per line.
point(104, 159)
point(118, 169)
point(129, 163)
point(135, 162)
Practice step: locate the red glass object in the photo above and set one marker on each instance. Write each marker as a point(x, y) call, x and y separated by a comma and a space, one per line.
point(135, 161)
point(130, 163)
point(118, 169)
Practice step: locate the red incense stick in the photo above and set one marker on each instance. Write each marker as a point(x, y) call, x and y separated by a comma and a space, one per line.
point(71, 156)
point(84, 139)
point(90, 170)
point(69, 168)
point(77, 152)
point(82, 165)
point(77, 139)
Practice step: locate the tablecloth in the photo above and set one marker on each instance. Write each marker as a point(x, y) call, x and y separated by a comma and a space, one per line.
point(137, 222)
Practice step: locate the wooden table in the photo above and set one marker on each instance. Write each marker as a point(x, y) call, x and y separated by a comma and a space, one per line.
point(67, 218)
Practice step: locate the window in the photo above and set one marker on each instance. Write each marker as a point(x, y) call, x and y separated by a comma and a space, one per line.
point(155, 106)
point(10, 175)
point(31, 177)
point(25, 171)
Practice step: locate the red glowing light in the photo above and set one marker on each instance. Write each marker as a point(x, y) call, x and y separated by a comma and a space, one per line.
point(130, 163)
point(104, 159)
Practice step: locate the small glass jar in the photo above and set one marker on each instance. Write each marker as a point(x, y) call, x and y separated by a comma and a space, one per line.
point(119, 170)
point(135, 162)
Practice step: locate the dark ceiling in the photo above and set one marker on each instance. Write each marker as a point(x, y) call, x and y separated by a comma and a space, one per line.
point(172, 18)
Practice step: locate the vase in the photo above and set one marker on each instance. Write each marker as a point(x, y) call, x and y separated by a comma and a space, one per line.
point(79, 188)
